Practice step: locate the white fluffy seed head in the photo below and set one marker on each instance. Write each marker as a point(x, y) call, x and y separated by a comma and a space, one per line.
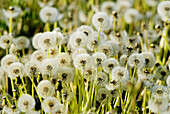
point(80, 51)
point(16, 69)
point(102, 79)
point(38, 55)
point(32, 68)
point(78, 40)
point(49, 67)
point(136, 60)
point(50, 105)
point(98, 58)
point(6, 61)
point(13, 13)
point(109, 64)
point(49, 14)
point(45, 89)
point(66, 74)
point(102, 94)
point(22, 42)
point(82, 61)
point(100, 19)
point(63, 59)
point(5, 41)
point(132, 15)
point(149, 59)
point(108, 7)
point(47, 40)
point(123, 60)
point(26, 103)
point(163, 10)
point(168, 80)
point(87, 30)
point(119, 74)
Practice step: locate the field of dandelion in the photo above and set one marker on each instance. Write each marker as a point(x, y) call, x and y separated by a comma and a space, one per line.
point(84, 57)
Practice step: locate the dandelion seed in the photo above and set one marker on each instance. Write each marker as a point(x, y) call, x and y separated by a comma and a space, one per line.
point(16, 69)
point(100, 19)
point(149, 59)
point(89, 74)
point(127, 49)
point(6, 61)
point(102, 79)
point(158, 105)
point(63, 59)
point(45, 89)
point(22, 42)
point(87, 30)
point(119, 74)
point(98, 58)
point(10, 110)
point(78, 40)
point(51, 105)
point(62, 109)
point(108, 7)
point(66, 74)
point(47, 40)
point(26, 103)
point(163, 10)
point(109, 64)
point(159, 91)
point(5, 41)
point(102, 94)
point(118, 37)
point(132, 15)
point(49, 14)
point(13, 12)
point(136, 60)
point(49, 67)
point(92, 43)
point(82, 61)
point(38, 55)
point(59, 37)
point(161, 73)
point(32, 68)
point(123, 5)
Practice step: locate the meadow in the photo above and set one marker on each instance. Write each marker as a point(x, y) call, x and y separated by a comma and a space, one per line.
point(84, 57)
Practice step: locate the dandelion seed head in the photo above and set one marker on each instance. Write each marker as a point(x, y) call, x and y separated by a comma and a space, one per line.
point(150, 59)
point(49, 67)
point(16, 69)
point(45, 89)
point(47, 40)
point(108, 7)
point(132, 15)
point(63, 59)
point(26, 103)
point(80, 51)
point(87, 30)
point(136, 60)
point(102, 79)
point(98, 58)
point(38, 55)
point(82, 61)
point(119, 74)
point(49, 14)
point(78, 40)
point(109, 64)
point(22, 42)
point(13, 12)
point(100, 19)
point(163, 10)
point(5, 41)
point(50, 105)
point(102, 94)
point(66, 74)
point(32, 68)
